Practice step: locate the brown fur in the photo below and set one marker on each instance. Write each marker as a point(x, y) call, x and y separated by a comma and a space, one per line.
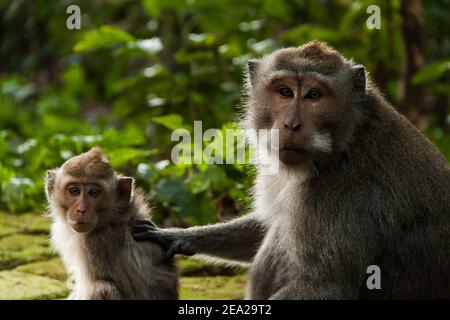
point(316, 52)
point(89, 164)
point(93, 235)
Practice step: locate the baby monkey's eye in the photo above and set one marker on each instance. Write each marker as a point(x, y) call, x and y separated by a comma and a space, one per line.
point(94, 193)
point(286, 92)
point(74, 191)
point(313, 94)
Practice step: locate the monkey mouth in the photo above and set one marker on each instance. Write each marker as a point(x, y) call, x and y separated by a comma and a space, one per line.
point(293, 155)
point(78, 222)
point(81, 226)
point(294, 149)
point(290, 148)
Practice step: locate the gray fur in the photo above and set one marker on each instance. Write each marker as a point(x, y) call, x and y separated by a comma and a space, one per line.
point(382, 196)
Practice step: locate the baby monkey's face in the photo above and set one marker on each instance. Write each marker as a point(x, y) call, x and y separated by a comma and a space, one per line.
point(86, 193)
point(85, 202)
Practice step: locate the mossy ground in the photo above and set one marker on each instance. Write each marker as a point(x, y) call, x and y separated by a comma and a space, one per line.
point(213, 287)
point(19, 285)
point(29, 268)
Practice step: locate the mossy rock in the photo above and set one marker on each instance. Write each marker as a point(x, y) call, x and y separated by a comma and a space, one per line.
point(199, 267)
point(31, 223)
point(6, 230)
point(16, 285)
point(213, 288)
point(52, 268)
point(23, 248)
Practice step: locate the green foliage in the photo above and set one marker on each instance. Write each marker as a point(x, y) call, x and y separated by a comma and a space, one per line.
point(441, 139)
point(171, 121)
point(432, 73)
point(137, 70)
point(103, 37)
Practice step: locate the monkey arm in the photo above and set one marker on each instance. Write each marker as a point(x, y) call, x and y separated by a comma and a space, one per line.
point(237, 239)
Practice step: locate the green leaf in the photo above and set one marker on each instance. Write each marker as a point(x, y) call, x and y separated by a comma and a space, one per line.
point(152, 7)
point(432, 72)
point(174, 194)
point(102, 37)
point(74, 78)
point(307, 32)
point(130, 136)
point(202, 39)
point(121, 156)
point(171, 121)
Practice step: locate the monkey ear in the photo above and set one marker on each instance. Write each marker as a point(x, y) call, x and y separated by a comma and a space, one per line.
point(49, 182)
point(252, 69)
point(359, 77)
point(124, 189)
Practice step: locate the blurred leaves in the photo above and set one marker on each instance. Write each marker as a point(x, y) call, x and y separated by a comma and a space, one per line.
point(171, 121)
point(433, 71)
point(102, 37)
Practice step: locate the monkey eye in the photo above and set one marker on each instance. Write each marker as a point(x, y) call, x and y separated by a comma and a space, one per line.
point(94, 193)
point(313, 94)
point(74, 191)
point(286, 92)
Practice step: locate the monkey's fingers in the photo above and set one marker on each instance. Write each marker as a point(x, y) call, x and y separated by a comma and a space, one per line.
point(145, 235)
point(148, 223)
point(151, 236)
point(143, 228)
point(143, 222)
point(179, 246)
point(170, 253)
point(174, 248)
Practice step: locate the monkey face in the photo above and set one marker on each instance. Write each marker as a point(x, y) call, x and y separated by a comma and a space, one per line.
point(85, 192)
point(308, 95)
point(303, 108)
point(298, 105)
point(84, 203)
point(87, 204)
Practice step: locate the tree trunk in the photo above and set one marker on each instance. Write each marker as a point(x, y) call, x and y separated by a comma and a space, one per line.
point(412, 97)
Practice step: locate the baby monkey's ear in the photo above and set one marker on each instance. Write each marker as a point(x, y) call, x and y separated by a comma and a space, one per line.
point(124, 189)
point(252, 70)
point(49, 182)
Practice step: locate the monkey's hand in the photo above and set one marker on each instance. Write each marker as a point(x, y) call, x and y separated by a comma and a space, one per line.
point(172, 240)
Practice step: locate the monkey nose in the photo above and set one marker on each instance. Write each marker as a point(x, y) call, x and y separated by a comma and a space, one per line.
point(292, 125)
point(82, 211)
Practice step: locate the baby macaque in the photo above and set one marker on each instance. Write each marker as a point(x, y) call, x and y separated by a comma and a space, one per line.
point(92, 208)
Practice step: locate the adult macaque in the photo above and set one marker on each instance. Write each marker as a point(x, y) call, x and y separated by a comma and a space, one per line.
point(92, 208)
point(358, 185)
